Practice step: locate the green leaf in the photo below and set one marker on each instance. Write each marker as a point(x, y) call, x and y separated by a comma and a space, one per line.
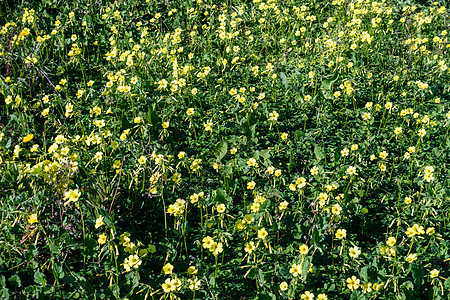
point(363, 273)
point(406, 290)
point(248, 126)
point(39, 278)
point(266, 295)
point(306, 265)
point(284, 80)
point(292, 163)
point(260, 277)
point(318, 151)
point(152, 116)
point(223, 197)
point(265, 154)
point(125, 123)
point(327, 83)
point(15, 281)
point(417, 273)
point(212, 279)
point(55, 249)
point(220, 150)
point(447, 283)
point(357, 295)
point(4, 294)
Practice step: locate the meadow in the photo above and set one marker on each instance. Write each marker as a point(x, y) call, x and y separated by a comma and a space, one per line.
point(259, 149)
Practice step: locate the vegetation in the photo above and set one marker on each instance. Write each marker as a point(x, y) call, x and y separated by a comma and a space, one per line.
point(224, 150)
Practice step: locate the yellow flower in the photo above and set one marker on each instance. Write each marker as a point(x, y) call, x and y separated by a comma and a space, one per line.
point(98, 156)
point(366, 287)
point(300, 182)
point(341, 233)
point(116, 164)
point(71, 196)
point(283, 205)
point(251, 185)
point(251, 162)
point(32, 219)
point(431, 230)
point(410, 232)
point(99, 222)
point(283, 286)
point(344, 152)
point(351, 170)
point(262, 233)
point(304, 249)
point(422, 132)
point(322, 297)
point(295, 270)
point(353, 283)
point(169, 285)
point(314, 170)
point(216, 248)
point(102, 239)
point(307, 295)
point(249, 247)
point(336, 209)
point(207, 242)
point(142, 160)
point(190, 111)
point(391, 241)
point(28, 138)
point(434, 273)
point(45, 112)
point(354, 252)
point(194, 284)
point(208, 126)
point(273, 116)
point(220, 208)
point(411, 258)
point(366, 116)
point(167, 269)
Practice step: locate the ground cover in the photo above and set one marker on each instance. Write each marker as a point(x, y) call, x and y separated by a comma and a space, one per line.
point(224, 150)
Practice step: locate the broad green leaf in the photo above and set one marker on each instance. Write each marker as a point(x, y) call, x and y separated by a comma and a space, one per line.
point(220, 150)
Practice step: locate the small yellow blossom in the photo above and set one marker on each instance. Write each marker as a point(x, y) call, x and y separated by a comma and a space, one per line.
point(32, 219)
point(102, 239)
point(167, 269)
point(28, 138)
point(340, 234)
